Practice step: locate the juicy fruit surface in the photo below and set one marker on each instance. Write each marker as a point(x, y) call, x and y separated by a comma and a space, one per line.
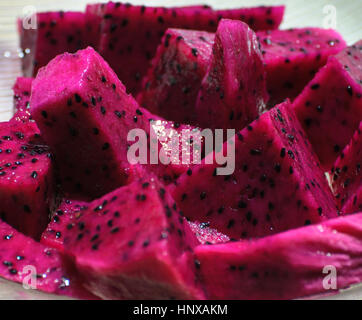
point(22, 90)
point(330, 106)
point(347, 175)
point(55, 33)
point(88, 104)
point(286, 265)
point(130, 34)
point(145, 254)
point(293, 56)
point(26, 178)
point(171, 85)
point(233, 91)
point(277, 184)
point(53, 275)
point(207, 235)
point(53, 235)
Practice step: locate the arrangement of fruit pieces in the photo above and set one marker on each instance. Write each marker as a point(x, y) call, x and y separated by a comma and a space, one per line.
point(291, 58)
point(95, 225)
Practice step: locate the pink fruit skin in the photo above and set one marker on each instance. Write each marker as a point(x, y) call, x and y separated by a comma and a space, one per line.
point(54, 273)
point(55, 33)
point(26, 178)
point(347, 176)
point(330, 106)
point(276, 185)
point(293, 56)
point(134, 244)
point(130, 34)
point(287, 265)
point(22, 90)
point(233, 91)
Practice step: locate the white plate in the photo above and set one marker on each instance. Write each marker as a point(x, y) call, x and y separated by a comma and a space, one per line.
point(299, 13)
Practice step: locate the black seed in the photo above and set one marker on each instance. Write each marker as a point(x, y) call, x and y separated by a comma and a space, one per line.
point(34, 175)
point(203, 195)
point(197, 264)
point(44, 114)
point(315, 86)
point(105, 146)
point(77, 98)
point(349, 90)
point(103, 110)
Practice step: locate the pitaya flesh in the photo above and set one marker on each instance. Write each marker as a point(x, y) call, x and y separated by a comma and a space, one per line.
point(22, 90)
point(276, 185)
point(347, 175)
point(171, 85)
point(233, 91)
point(207, 235)
point(293, 264)
point(21, 255)
point(61, 220)
point(130, 34)
point(54, 33)
point(293, 56)
point(330, 106)
point(134, 244)
point(79, 104)
point(26, 178)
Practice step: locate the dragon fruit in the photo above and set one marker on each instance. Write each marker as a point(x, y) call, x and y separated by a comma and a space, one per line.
point(60, 222)
point(171, 85)
point(330, 106)
point(80, 105)
point(20, 255)
point(207, 235)
point(22, 90)
point(293, 56)
point(347, 175)
point(170, 88)
point(276, 185)
point(288, 265)
point(186, 139)
point(130, 34)
point(233, 91)
point(134, 244)
point(55, 33)
point(26, 178)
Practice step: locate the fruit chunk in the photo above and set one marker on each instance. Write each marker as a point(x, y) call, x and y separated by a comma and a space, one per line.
point(54, 33)
point(233, 91)
point(61, 220)
point(330, 106)
point(22, 90)
point(130, 34)
point(80, 105)
point(134, 244)
point(288, 265)
point(21, 255)
point(347, 175)
point(26, 178)
point(277, 184)
point(293, 56)
point(171, 85)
